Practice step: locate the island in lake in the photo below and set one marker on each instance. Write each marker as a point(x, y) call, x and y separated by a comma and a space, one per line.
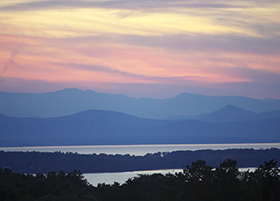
point(41, 162)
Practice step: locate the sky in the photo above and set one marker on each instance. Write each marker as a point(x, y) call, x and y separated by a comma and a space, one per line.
point(141, 48)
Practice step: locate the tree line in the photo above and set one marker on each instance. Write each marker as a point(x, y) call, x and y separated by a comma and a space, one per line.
point(198, 182)
point(38, 162)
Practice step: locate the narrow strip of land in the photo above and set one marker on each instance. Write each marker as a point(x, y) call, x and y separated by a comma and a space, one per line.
point(40, 162)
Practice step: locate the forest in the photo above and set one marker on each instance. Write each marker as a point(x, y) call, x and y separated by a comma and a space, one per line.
point(198, 182)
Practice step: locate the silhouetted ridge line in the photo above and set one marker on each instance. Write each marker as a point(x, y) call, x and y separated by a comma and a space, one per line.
point(97, 127)
point(70, 101)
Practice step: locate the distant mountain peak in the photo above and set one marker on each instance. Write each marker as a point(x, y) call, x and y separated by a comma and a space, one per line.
point(232, 108)
point(186, 94)
point(69, 90)
point(230, 113)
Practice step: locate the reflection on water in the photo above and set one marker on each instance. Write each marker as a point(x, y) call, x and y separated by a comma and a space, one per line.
point(141, 149)
point(121, 177)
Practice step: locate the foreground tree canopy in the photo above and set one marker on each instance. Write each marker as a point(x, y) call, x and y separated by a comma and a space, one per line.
point(198, 181)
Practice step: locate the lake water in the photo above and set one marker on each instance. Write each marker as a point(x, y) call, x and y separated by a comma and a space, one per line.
point(121, 177)
point(141, 149)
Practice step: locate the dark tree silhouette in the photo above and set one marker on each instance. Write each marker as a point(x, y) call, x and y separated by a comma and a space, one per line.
point(198, 181)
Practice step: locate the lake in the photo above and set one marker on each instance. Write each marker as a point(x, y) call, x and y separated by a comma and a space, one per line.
point(141, 149)
point(121, 177)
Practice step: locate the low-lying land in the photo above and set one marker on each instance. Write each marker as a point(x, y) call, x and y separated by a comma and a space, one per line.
point(39, 162)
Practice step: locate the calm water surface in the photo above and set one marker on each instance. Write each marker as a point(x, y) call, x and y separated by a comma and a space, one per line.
point(121, 177)
point(141, 149)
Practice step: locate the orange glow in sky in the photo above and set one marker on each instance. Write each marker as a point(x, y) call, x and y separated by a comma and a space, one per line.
point(112, 46)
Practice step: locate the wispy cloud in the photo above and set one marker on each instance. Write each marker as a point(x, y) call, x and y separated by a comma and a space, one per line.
point(118, 4)
point(199, 42)
point(106, 69)
point(11, 61)
point(189, 44)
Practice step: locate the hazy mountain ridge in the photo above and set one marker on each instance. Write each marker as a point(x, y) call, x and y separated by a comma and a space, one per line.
point(96, 127)
point(232, 113)
point(118, 119)
point(71, 101)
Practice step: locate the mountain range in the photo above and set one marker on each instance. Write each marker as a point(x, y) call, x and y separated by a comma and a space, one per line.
point(71, 101)
point(229, 124)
